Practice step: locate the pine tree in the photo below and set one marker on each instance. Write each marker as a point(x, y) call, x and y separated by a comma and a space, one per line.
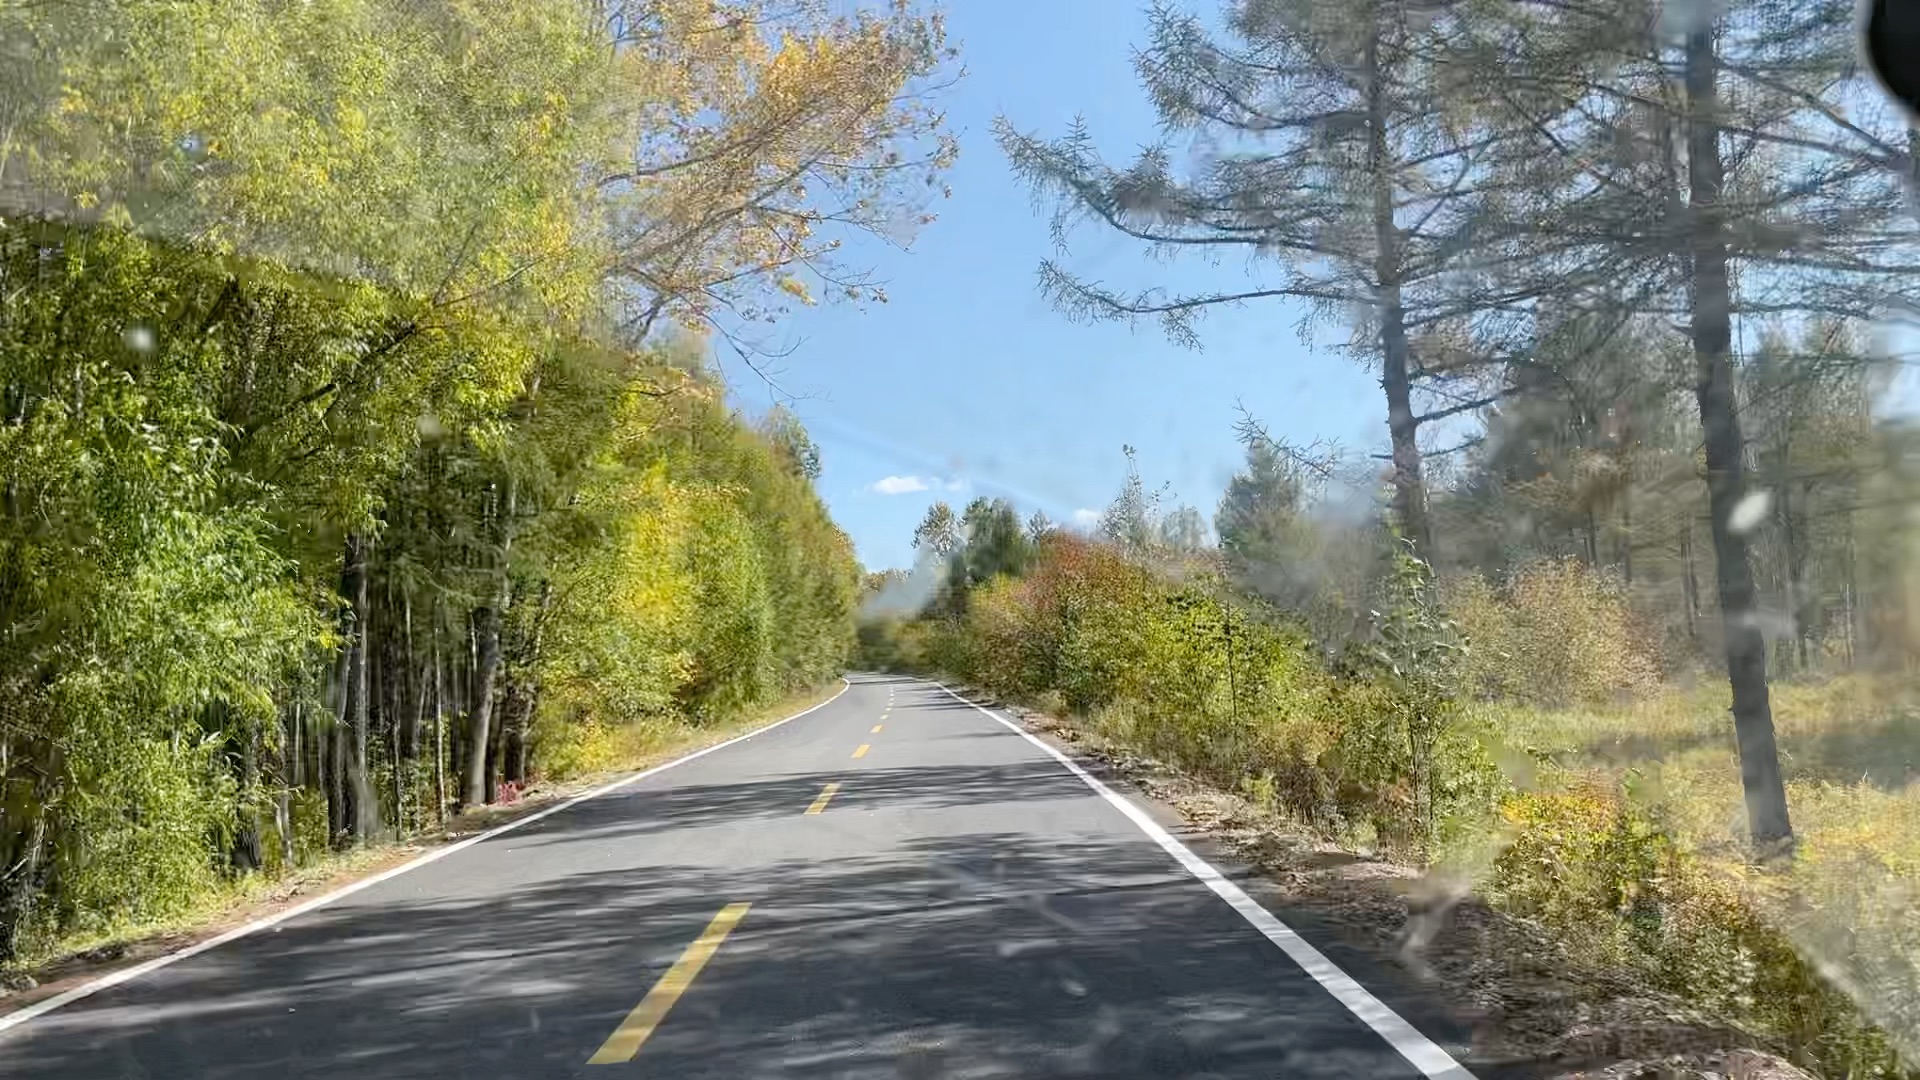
point(1730, 166)
point(1352, 172)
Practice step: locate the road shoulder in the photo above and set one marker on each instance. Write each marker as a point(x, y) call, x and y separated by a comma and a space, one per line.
point(1491, 989)
point(22, 989)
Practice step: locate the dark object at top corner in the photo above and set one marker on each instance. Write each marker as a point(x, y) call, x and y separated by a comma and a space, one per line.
point(1892, 40)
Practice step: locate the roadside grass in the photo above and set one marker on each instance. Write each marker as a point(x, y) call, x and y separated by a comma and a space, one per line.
point(596, 754)
point(1620, 834)
point(1622, 838)
point(1637, 808)
point(1616, 828)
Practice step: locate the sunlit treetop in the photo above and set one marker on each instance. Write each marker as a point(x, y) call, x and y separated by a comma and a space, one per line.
point(426, 147)
point(755, 137)
point(688, 158)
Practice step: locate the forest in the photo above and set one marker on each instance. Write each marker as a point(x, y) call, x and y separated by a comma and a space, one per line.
point(1619, 629)
point(364, 455)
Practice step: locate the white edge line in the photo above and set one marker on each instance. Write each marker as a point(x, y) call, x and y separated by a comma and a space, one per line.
point(41, 1008)
point(1419, 1050)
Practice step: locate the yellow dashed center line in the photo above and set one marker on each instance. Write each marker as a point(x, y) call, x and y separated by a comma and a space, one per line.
point(862, 752)
point(820, 800)
point(639, 1024)
point(876, 729)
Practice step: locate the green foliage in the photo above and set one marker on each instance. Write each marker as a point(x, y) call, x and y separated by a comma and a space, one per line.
point(350, 137)
point(938, 534)
point(337, 472)
point(1388, 747)
point(133, 831)
point(1277, 544)
point(1635, 498)
point(1233, 691)
point(175, 505)
point(1611, 884)
point(996, 544)
point(1417, 648)
point(1260, 511)
point(714, 581)
point(148, 610)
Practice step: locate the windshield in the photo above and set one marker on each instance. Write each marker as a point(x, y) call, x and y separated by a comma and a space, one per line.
point(840, 537)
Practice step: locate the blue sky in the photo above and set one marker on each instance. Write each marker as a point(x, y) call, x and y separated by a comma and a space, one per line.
point(968, 383)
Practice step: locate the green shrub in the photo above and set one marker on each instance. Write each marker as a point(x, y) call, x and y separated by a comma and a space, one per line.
point(944, 647)
point(1385, 748)
point(1558, 632)
point(575, 747)
point(1609, 882)
point(135, 828)
point(880, 645)
point(1225, 688)
point(1005, 654)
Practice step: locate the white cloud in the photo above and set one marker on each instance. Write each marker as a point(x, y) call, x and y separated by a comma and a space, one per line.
point(1086, 518)
point(907, 485)
point(898, 485)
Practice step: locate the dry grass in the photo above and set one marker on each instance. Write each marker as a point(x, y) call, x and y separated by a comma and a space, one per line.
point(1528, 1001)
point(1850, 900)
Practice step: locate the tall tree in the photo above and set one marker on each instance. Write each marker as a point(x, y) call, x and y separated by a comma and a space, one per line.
point(1334, 147)
point(1562, 470)
point(789, 436)
point(1810, 427)
point(1183, 531)
point(1731, 164)
point(938, 534)
point(752, 139)
point(286, 296)
point(1130, 522)
point(1259, 511)
point(1039, 525)
point(996, 543)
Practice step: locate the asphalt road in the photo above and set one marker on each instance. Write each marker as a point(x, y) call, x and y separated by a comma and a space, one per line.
point(961, 906)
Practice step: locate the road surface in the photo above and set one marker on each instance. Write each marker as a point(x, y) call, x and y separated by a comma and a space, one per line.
point(960, 905)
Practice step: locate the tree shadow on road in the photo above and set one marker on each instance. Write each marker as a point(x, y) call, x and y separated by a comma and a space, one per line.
point(984, 955)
